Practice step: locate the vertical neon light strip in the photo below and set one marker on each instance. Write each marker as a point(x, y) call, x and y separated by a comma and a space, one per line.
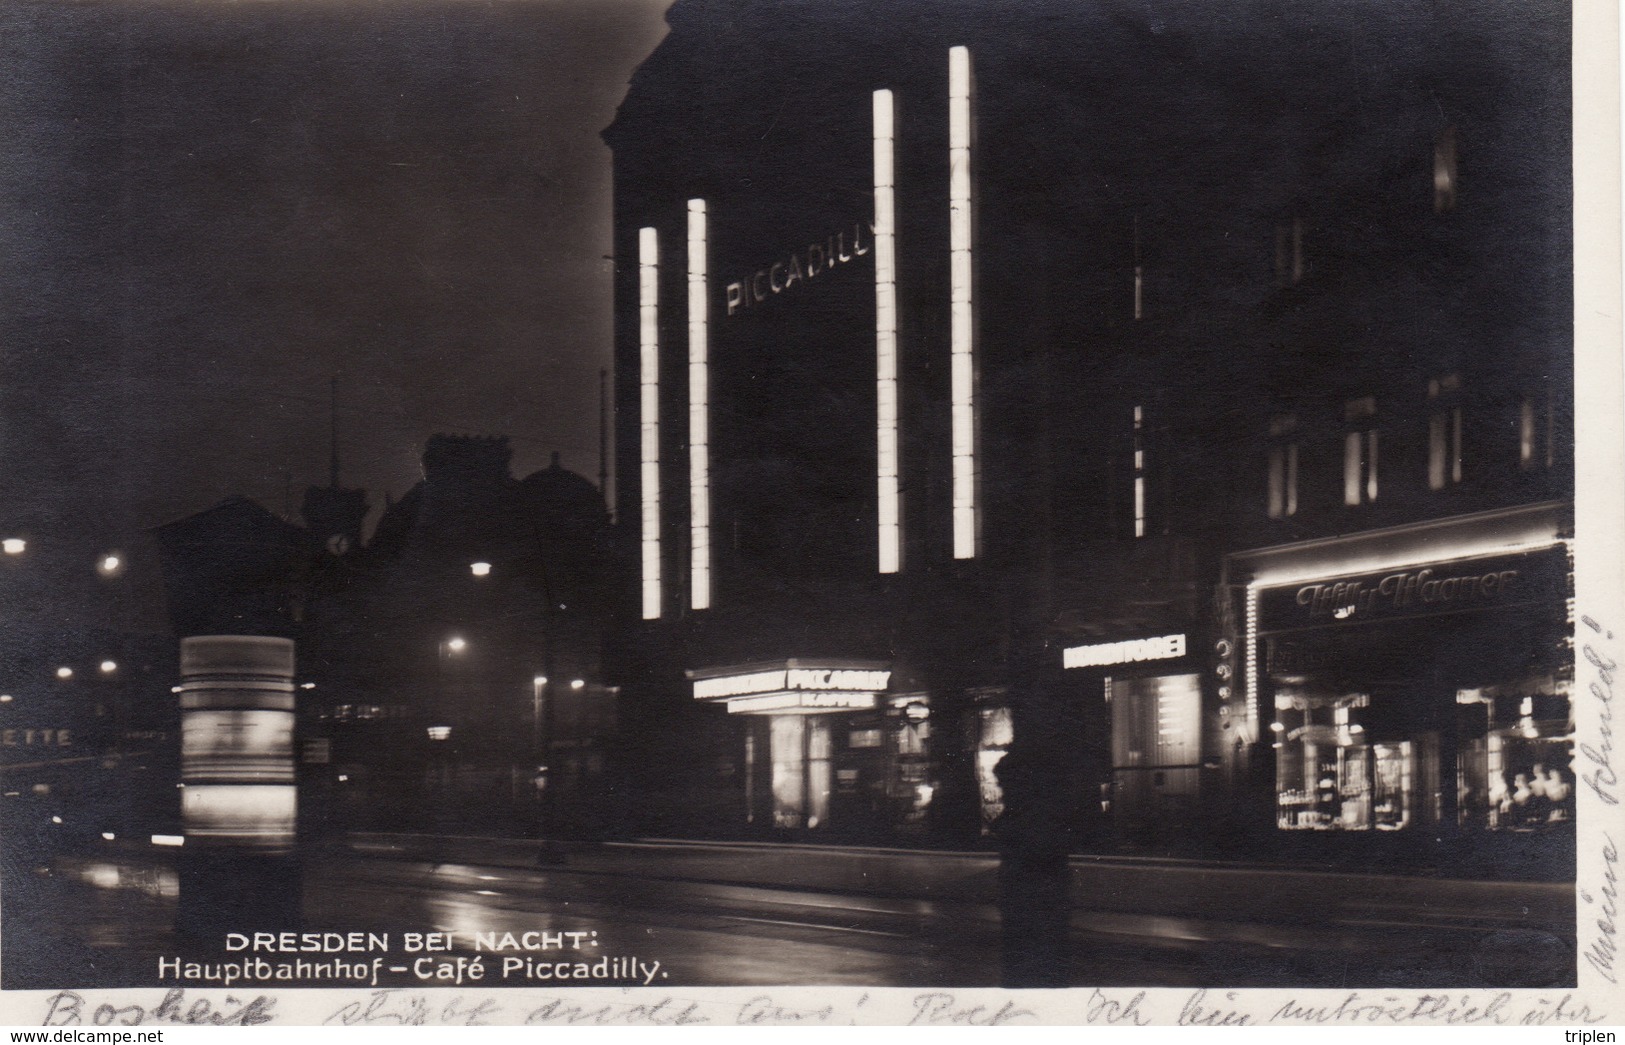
point(1252, 660)
point(699, 420)
point(886, 335)
point(962, 315)
point(649, 413)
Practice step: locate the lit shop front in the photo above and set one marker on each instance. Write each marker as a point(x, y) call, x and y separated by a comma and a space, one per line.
point(1154, 694)
point(1418, 679)
point(826, 745)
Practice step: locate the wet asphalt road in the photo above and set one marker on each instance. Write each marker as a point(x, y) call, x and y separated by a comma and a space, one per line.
point(98, 921)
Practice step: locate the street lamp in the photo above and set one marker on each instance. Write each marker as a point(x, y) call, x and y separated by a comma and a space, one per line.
point(455, 644)
point(14, 545)
point(480, 569)
point(64, 673)
point(108, 667)
point(110, 565)
point(578, 683)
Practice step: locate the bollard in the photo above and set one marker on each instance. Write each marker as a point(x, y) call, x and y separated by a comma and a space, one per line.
point(238, 868)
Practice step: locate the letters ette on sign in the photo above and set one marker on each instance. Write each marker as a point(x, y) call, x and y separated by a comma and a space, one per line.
point(781, 275)
point(780, 680)
point(1162, 647)
point(1415, 591)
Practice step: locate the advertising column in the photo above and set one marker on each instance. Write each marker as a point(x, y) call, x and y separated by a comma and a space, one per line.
point(239, 799)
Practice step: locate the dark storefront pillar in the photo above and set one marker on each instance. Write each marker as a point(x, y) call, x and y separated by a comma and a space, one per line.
point(955, 812)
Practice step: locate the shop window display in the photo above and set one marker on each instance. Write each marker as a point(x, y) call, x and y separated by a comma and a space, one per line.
point(1515, 769)
point(1363, 761)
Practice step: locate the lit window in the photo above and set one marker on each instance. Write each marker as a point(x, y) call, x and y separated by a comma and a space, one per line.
point(890, 527)
point(1139, 472)
point(1289, 263)
point(1444, 432)
point(1139, 274)
point(649, 413)
point(1537, 442)
point(699, 422)
point(1360, 451)
point(962, 313)
point(1444, 171)
point(1283, 465)
point(1526, 434)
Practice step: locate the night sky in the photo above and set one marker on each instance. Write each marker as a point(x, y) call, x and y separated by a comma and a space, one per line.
point(212, 209)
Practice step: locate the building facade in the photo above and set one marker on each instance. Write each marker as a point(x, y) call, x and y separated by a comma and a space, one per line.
point(992, 385)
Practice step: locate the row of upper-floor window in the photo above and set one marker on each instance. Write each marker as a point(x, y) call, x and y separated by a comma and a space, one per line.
point(1362, 445)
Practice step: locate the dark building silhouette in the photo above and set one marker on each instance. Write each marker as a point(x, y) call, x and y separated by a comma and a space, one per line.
point(449, 668)
point(234, 569)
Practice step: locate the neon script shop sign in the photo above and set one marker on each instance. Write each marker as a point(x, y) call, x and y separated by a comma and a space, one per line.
point(1403, 590)
point(805, 265)
point(1417, 590)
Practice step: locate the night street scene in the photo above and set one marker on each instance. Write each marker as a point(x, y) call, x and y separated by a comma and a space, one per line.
point(727, 492)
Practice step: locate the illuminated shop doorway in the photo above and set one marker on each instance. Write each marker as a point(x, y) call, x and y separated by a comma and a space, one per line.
point(1156, 749)
point(816, 748)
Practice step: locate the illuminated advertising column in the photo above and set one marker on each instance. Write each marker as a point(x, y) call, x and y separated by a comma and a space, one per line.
point(239, 803)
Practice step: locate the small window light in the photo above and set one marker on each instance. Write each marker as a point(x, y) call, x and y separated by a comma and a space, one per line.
point(14, 545)
point(307, 685)
point(5, 698)
point(168, 840)
point(439, 732)
point(108, 836)
point(480, 569)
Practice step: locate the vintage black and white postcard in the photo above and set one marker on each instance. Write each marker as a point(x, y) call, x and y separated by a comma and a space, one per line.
point(726, 511)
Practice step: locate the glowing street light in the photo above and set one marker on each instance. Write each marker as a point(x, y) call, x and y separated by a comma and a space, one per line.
point(456, 644)
point(64, 673)
point(108, 667)
point(110, 565)
point(577, 683)
point(14, 545)
point(480, 569)
point(539, 680)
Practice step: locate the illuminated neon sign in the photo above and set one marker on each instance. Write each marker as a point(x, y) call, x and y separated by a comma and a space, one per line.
point(805, 702)
point(781, 275)
point(1131, 651)
point(865, 682)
